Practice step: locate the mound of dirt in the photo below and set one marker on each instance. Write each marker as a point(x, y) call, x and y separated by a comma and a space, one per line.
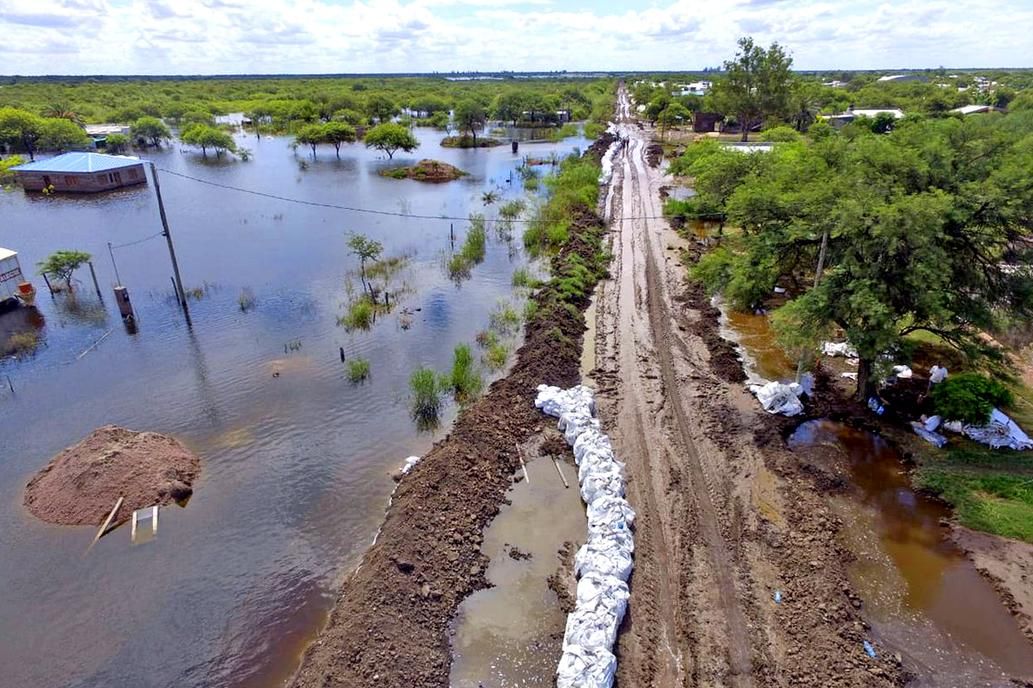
point(426, 171)
point(81, 484)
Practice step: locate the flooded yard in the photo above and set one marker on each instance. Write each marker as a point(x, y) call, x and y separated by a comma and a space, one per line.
point(296, 460)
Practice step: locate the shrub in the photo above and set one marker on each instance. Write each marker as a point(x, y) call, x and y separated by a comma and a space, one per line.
point(487, 338)
point(464, 379)
point(496, 355)
point(426, 395)
point(522, 278)
point(360, 315)
point(969, 398)
point(357, 369)
point(21, 343)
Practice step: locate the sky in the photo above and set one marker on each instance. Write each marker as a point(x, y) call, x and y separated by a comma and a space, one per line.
point(338, 36)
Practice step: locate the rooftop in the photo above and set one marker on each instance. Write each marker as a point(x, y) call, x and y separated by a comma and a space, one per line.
point(6, 253)
point(79, 162)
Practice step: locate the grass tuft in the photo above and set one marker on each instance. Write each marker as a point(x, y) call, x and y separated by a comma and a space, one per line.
point(357, 370)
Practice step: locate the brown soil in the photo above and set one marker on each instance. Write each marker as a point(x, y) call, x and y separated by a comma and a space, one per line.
point(426, 171)
point(562, 581)
point(722, 522)
point(81, 484)
point(383, 631)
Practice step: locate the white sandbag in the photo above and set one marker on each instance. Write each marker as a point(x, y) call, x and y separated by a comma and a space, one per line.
point(409, 463)
point(574, 423)
point(591, 466)
point(1000, 432)
point(591, 439)
point(616, 538)
point(610, 508)
point(932, 423)
point(596, 484)
point(780, 398)
point(581, 667)
point(594, 590)
point(593, 628)
point(838, 349)
point(603, 556)
point(902, 372)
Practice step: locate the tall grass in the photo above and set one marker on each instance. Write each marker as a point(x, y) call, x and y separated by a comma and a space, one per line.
point(472, 251)
point(357, 369)
point(464, 379)
point(426, 396)
point(360, 314)
point(505, 318)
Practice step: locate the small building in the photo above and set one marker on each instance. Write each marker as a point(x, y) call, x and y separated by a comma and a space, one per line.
point(975, 109)
point(696, 88)
point(900, 78)
point(706, 122)
point(844, 118)
point(80, 173)
point(100, 132)
point(10, 279)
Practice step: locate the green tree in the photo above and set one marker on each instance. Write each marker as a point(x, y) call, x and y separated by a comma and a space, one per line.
point(205, 137)
point(390, 138)
point(914, 231)
point(381, 108)
point(366, 250)
point(337, 133)
point(509, 106)
point(470, 116)
point(63, 111)
point(756, 85)
point(675, 113)
point(20, 128)
point(63, 264)
point(116, 143)
point(311, 135)
point(427, 105)
point(150, 130)
point(61, 134)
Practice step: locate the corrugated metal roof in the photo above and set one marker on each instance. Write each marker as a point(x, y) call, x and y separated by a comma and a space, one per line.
point(79, 162)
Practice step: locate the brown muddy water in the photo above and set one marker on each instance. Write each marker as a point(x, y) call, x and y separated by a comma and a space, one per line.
point(509, 635)
point(923, 598)
point(295, 459)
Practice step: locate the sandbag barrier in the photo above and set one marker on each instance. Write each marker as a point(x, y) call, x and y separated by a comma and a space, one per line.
point(603, 564)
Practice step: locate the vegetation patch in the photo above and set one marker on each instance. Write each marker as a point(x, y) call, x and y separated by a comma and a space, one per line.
point(357, 369)
point(470, 142)
point(984, 497)
point(21, 343)
point(426, 171)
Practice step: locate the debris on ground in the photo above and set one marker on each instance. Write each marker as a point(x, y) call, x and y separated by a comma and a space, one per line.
point(1000, 432)
point(80, 484)
point(834, 349)
point(780, 398)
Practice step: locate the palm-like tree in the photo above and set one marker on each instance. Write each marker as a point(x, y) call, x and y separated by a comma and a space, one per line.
point(62, 111)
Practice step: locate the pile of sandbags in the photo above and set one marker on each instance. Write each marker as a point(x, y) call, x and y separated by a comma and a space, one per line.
point(780, 398)
point(603, 564)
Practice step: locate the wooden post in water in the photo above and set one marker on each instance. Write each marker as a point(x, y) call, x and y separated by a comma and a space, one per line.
point(49, 288)
point(178, 281)
point(96, 286)
point(107, 522)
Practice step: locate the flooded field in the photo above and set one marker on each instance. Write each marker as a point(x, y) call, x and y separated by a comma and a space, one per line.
point(920, 591)
point(295, 459)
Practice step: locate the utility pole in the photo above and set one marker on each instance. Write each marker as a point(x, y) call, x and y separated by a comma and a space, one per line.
point(172, 250)
point(111, 253)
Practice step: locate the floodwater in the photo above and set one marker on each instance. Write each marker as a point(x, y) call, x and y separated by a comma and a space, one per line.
point(509, 635)
point(295, 459)
point(923, 597)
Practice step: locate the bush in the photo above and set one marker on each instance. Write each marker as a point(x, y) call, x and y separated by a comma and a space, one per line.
point(496, 355)
point(780, 134)
point(360, 315)
point(21, 343)
point(426, 395)
point(357, 369)
point(504, 319)
point(522, 278)
point(969, 398)
point(464, 379)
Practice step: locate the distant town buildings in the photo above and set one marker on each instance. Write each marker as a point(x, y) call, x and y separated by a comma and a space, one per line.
point(696, 88)
point(899, 78)
point(844, 118)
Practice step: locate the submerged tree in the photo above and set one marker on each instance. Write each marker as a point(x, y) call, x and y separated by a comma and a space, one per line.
point(390, 138)
point(150, 130)
point(367, 250)
point(20, 128)
point(63, 264)
point(470, 117)
point(206, 137)
point(757, 84)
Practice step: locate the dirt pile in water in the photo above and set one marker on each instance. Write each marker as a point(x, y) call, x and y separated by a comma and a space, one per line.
point(81, 484)
point(433, 171)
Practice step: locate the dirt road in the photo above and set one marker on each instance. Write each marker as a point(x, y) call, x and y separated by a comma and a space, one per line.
point(722, 523)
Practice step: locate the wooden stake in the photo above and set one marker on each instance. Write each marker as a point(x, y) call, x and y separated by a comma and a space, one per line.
point(520, 456)
point(107, 522)
point(557, 465)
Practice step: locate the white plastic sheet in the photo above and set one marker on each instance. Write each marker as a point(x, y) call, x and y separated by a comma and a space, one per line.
point(778, 397)
point(604, 562)
point(409, 463)
point(1000, 432)
point(838, 349)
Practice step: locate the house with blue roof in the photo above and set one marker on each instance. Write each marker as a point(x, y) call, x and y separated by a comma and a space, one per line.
point(80, 172)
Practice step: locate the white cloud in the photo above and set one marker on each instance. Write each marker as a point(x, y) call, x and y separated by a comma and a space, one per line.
point(306, 36)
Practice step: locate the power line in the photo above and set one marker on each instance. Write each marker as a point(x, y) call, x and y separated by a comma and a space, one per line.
point(138, 241)
point(369, 211)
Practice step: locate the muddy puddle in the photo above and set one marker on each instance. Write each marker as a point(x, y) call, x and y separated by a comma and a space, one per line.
point(510, 635)
point(923, 597)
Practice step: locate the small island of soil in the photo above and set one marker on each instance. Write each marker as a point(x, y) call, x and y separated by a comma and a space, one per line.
point(81, 484)
point(469, 142)
point(426, 171)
